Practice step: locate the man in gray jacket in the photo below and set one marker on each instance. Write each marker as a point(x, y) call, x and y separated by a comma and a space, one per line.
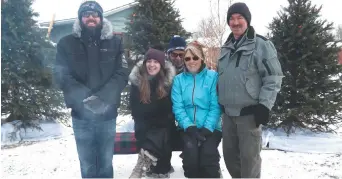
point(250, 78)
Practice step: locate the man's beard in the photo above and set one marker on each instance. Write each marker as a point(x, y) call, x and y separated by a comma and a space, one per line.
point(94, 31)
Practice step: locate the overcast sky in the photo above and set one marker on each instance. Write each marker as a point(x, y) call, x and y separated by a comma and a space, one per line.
point(192, 11)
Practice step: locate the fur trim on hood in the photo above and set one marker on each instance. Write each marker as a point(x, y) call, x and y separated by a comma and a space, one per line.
point(106, 32)
point(170, 73)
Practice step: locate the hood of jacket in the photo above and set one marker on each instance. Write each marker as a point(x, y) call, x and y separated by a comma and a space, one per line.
point(106, 32)
point(169, 68)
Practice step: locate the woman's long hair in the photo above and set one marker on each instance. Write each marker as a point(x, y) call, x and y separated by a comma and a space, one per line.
point(144, 87)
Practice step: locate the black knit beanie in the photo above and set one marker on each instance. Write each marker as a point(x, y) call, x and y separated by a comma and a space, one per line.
point(240, 8)
point(90, 6)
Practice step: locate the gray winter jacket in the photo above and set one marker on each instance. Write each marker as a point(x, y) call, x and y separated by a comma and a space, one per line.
point(249, 73)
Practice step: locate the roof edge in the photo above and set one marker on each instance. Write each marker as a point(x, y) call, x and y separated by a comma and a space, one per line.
point(105, 14)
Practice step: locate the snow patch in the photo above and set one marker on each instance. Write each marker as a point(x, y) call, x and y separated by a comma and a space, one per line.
point(58, 159)
point(305, 141)
point(12, 134)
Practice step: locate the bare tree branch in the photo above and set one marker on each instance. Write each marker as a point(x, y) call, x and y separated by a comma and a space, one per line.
point(211, 31)
point(339, 32)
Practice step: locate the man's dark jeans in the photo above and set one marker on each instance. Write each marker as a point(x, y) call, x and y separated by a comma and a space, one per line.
point(95, 146)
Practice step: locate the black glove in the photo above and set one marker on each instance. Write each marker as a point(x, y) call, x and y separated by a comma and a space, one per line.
point(205, 132)
point(261, 113)
point(194, 132)
point(95, 105)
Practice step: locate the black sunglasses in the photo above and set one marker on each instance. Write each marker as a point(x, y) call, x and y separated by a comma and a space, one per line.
point(90, 13)
point(175, 55)
point(195, 58)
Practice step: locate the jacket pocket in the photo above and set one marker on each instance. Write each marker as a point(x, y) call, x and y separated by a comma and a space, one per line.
point(245, 60)
point(253, 85)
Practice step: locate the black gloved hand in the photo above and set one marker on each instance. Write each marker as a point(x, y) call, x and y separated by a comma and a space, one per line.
point(205, 132)
point(261, 113)
point(194, 132)
point(95, 105)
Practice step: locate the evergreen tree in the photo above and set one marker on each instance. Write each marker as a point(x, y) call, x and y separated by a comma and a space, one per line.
point(311, 95)
point(153, 23)
point(27, 93)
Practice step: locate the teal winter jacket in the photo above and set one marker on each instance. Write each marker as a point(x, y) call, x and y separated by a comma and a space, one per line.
point(195, 101)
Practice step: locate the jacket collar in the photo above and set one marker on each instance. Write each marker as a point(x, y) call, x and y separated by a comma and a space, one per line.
point(248, 38)
point(106, 32)
point(203, 70)
point(169, 68)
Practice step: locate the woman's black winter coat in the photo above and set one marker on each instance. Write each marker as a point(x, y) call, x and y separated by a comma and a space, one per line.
point(154, 122)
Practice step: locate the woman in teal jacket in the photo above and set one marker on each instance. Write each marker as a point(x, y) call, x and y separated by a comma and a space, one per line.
point(196, 108)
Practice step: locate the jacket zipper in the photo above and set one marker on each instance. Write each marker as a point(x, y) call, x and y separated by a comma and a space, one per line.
point(238, 59)
point(267, 67)
point(193, 92)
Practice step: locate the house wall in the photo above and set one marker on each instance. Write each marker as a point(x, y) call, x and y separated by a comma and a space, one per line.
point(119, 19)
point(60, 31)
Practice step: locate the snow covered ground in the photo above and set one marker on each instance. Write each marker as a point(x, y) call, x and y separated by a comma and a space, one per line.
point(52, 154)
point(10, 136)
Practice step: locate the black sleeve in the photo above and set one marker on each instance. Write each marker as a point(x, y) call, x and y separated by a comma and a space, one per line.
point(74, 91)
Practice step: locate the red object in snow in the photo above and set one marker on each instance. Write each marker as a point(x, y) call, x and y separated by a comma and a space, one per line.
point(125, 143)
point(340, 57)
point(117, 33)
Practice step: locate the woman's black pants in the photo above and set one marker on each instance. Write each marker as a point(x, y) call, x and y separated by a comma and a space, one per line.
point(201, 161)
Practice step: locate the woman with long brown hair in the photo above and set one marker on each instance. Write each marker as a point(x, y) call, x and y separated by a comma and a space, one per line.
point(151, 106)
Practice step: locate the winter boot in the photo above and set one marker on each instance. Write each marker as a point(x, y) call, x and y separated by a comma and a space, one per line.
point(171, 170)
point(149, 160)
point(151, 173)
point(150, 156)
point(138, 169)
point(155, 175)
